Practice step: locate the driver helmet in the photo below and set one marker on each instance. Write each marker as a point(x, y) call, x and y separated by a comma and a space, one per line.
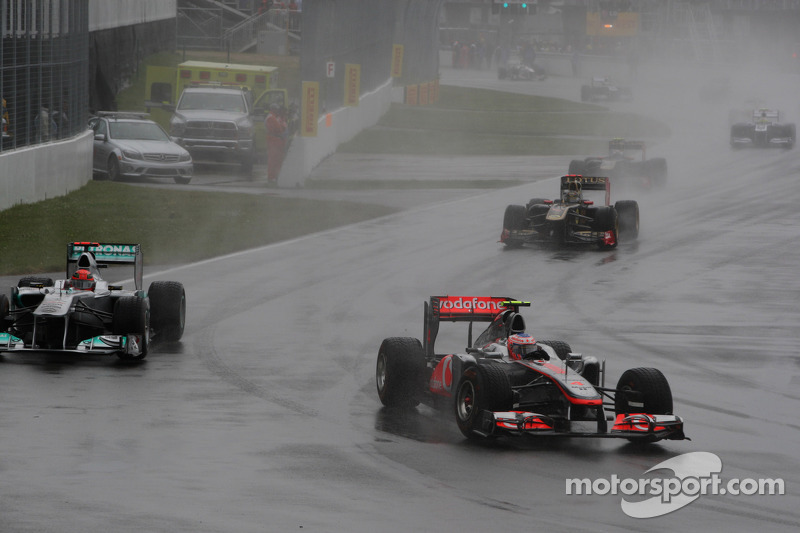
point(521, 345)
point(572, 194)
point(83, 280)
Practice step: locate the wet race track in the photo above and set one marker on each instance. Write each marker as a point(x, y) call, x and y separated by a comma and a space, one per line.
point(265, 416)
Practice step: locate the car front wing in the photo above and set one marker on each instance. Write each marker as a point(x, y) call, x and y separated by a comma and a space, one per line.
point(637, 426)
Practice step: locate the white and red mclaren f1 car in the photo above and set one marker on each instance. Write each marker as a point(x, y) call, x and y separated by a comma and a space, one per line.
point(506, 383)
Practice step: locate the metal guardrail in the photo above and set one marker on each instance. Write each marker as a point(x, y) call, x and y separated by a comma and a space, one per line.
point(244, 35)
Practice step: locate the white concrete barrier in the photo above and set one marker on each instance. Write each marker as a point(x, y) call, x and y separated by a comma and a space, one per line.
point(35, 173)
point(305, 153)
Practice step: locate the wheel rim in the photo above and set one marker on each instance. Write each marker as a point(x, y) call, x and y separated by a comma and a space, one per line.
point(380, 372)
point(113, 170)
point(466, 400)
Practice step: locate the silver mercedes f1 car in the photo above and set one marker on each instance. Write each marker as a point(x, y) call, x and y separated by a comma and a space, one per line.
point(83, 313)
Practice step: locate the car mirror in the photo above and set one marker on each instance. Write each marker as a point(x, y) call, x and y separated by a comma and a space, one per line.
point(100, 137)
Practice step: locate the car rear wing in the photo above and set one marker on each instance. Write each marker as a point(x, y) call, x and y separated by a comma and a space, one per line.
point(588, 183)
point(627, 146)
point(106, 254)
point(464, 309)
point(769, 114)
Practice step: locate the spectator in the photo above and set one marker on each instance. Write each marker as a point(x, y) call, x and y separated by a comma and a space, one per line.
point(276, 142)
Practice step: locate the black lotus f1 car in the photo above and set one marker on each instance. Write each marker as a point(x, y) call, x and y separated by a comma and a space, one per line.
point(84, 313)
point(763, 131)
point(621, 165)
point(572, 219)
point(551, 391)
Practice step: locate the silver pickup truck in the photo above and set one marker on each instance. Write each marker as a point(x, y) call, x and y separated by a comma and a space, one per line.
point(216, 124)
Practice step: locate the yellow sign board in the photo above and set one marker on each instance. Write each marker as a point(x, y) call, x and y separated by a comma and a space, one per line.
point(310, 109)
point(352, 84)
point(397, 60)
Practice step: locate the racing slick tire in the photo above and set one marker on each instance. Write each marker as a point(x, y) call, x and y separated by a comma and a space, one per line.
point(791, 133)
point(167, 309)
point(399, 372)
point(628, 216)
point(5, 307)
point(577, 167)
point(605, 219)
point(33, 281)
point(481, 387)
point(650, 383)
point(541, 209)
point(561, 348)
point(514, 217)
point(739, 131)
point(114, 172)
point(656, 170)
point(132, 316)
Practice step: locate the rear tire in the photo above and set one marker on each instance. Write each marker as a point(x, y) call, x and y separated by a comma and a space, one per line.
point(654, 388)
point(399, 372)
point(481, 388)
point(561, 348)
point(577, 167)
point(656, 170)
point(32, 281)
point(167, 309)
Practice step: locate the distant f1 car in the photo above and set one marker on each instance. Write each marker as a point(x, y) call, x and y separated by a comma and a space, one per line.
point(603, 88)
point(506, 383)
point(84, 314)
point(520, 71)
point(622, 167)
point(572, 219)
point(763, 130)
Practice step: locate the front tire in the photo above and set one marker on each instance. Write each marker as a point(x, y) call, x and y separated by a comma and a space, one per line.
point(514, 217)
point(605, 221)
point(628, 216)
point(653, 388)
point(399, 372)
point(114, 172)
point(481, 388)
point(132, 317)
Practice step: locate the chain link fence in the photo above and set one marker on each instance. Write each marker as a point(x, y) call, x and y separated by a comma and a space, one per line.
point(43, 74)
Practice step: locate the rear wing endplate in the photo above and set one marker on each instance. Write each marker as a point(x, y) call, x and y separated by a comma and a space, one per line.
point(108, 254)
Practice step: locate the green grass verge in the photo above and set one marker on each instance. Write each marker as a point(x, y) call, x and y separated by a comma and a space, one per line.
point(410, 184)
point(485, 122)
point(172, 226)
